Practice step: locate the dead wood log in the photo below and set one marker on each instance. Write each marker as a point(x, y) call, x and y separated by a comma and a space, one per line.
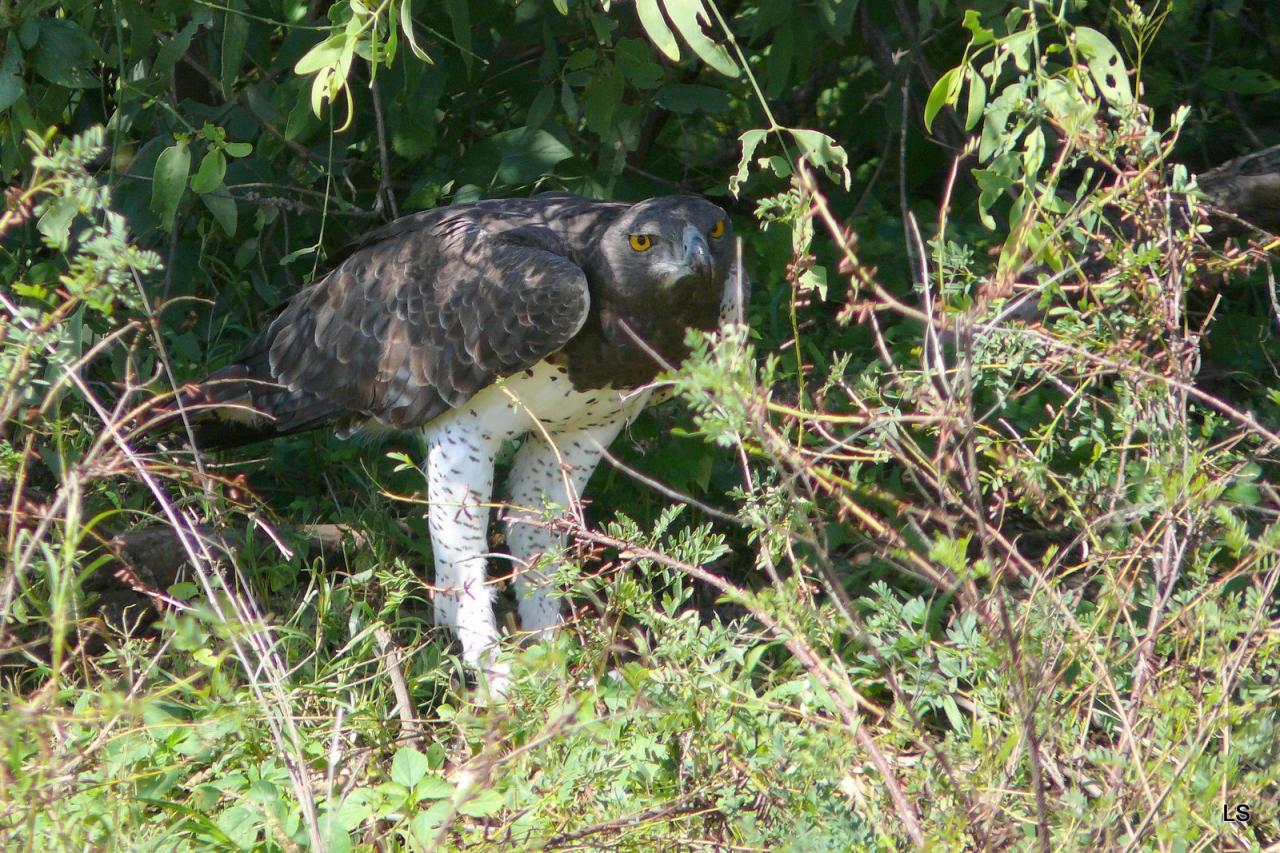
point(1245, 191)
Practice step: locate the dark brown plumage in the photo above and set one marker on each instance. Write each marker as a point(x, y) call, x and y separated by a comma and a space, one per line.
point(540, 318)
point(427, 310)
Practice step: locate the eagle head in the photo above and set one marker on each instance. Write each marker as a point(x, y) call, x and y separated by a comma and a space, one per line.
point(664, 248)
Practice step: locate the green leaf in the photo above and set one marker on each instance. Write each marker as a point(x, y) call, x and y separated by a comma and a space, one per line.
point(408, 766)
point(10, 78)
point(64, 53)
point(482, 805)
point(212, 169)
point(1105, 65)
point(55, 222)
point(749, 141)
point(1033, 152)
point(406, 27)
point(691, 97)
point(996, 137)
point(425, 824)
point(602, 98)
point(655, 27)
point(978, 34)
point(238, 149)
point(781, 58)
point(171, 50)
point(540, 108)
point(460, 16)
point(689, 16)
point(326, 54)
point(837, 17)
point(562, 6)
point(434, 787)
point(977, 99)
point(235, 34)
point(525, 156)
point(638, 64)
point(945, 91)
point(223, 208)
point(822, 151)
point(1245, 81)
point(169, 180)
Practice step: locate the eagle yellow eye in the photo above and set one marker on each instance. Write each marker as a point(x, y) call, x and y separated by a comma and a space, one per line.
point(641, 242)
point(717, 230)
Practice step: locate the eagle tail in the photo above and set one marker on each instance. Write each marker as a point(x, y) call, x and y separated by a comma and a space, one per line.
point(241, 404)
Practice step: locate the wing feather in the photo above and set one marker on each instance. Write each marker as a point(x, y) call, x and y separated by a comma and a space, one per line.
point(415, 324)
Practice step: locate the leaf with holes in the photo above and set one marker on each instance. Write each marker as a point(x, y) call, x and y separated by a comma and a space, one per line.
point(750, 141)
point(1105, 65)
point(822, 151)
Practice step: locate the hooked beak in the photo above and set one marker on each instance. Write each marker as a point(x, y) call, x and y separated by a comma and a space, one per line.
point(697, 254)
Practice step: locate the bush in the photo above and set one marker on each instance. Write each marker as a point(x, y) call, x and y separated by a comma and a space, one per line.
point(969, 541)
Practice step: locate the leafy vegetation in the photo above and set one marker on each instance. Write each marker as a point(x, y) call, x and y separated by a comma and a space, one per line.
point(969, 542)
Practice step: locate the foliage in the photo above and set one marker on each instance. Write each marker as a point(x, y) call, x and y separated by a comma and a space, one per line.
point(976, 540)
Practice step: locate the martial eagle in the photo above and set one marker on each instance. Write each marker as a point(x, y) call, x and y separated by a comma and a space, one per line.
point(543, 317)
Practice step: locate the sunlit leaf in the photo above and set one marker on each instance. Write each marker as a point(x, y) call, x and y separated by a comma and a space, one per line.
point(689, 17)
point(482, 805)
point(822, 151)
point(408, 766)
point(945, 92)
point(977, 99)
point(1105, 65)
point(655, 27)
point(749, 141)
point(978, 34)
point(406, 27)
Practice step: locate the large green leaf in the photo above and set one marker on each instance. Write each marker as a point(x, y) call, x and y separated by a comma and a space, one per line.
point(692, 97)
point(63, 54)
point(689, 17)
point(408, 766)
point(235, 35)
point(460, 17)
point(1106, 65)
point(169, 180)
point(10, 78)
point(602, 98)
point(655, 27)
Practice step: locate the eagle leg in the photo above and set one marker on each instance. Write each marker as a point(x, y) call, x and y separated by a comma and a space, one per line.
point(459, 491)
point(547, 472)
